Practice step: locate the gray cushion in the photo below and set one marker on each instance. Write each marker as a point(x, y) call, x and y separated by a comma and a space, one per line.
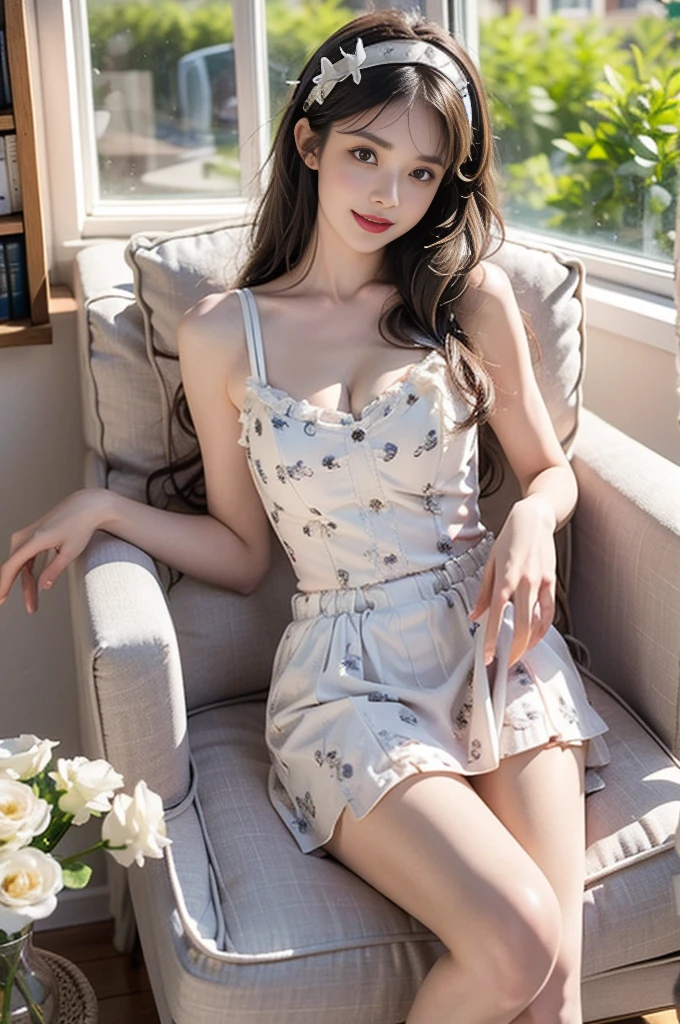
point(122, 412)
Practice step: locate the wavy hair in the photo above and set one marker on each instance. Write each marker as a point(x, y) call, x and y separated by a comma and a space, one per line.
point(428, 266)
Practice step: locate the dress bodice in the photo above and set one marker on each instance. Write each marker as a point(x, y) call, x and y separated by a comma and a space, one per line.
point(359, 500)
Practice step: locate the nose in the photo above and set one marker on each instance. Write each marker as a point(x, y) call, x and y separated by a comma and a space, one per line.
point(386, 190)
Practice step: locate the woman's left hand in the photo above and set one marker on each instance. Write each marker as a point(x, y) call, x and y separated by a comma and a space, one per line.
point(521, 568)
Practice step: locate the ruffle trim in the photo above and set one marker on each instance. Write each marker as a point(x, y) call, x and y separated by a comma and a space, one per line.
point(384, 404)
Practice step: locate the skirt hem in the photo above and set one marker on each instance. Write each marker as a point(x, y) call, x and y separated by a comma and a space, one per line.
point(435, 761)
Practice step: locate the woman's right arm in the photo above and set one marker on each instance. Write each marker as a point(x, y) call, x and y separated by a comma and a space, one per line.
point(228, 547)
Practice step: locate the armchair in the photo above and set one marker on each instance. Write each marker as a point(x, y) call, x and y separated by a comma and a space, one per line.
point(235, 923)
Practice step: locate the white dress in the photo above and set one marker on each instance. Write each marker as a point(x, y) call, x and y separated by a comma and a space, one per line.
point(381, 673)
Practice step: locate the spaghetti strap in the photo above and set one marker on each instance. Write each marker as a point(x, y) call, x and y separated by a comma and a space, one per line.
point(251, 322)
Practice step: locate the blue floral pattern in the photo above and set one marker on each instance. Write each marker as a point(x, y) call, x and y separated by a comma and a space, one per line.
point(339, 769)
point(428, 444)
point(350, 662)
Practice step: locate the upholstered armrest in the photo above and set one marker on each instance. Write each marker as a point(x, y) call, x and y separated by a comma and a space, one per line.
point(130, 680)
point(625, 585)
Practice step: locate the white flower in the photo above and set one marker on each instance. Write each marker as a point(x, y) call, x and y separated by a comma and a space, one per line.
point(137, 823)
point(22, 814)
point(87, 786)
point(24, 756)
point(29, 883)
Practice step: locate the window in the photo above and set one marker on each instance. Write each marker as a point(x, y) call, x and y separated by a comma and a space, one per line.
point(175, 103)
point(165, 89)
point(163, 84)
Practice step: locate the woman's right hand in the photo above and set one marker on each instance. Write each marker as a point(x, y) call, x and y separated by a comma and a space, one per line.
point(66, 529)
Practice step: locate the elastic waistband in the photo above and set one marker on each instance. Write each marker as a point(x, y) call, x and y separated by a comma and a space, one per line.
point(420, 585)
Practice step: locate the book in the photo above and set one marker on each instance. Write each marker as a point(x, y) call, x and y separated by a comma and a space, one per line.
point(4, 71)
point(13, 173)
point(15, 251)
point(5, 197)
point(4, 285)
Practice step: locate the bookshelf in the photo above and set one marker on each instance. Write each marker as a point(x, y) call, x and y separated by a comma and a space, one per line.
point(27, 224)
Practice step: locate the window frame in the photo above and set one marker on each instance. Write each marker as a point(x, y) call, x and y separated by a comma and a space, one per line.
point(70, 155)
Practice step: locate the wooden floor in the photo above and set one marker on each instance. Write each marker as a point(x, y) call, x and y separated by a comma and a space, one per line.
point(122, 985)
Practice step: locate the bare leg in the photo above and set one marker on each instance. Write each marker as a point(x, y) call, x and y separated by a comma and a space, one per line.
point(435, 848)
point(539, 797)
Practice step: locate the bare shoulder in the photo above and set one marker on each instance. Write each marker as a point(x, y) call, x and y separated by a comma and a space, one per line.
point(214, 327)
point(214, 317)
point(488, 311)
point(486, 281)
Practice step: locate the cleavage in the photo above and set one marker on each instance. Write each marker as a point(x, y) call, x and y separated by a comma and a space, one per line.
point(341, 391)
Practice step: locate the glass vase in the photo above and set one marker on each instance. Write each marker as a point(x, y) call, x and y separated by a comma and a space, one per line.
point(28, 988)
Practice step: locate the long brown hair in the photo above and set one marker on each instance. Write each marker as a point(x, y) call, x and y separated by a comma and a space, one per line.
point(428, 266)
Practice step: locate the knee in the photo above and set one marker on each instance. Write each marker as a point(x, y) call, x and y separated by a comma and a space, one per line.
point(521, 944)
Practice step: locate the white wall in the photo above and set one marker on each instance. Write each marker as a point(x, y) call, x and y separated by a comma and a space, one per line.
point(41, 459)
point(633, 386)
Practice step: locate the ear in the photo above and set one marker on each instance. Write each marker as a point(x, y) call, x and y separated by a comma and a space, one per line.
point(304, 135)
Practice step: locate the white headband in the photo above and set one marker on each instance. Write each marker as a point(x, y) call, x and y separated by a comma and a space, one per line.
point(392, 51)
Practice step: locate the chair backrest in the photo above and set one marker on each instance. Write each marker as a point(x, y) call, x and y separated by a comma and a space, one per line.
point(130, 375)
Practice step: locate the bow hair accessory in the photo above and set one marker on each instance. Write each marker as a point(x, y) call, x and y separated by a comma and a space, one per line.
point(393, 51)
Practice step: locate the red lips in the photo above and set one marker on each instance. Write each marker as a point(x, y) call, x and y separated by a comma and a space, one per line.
point(372, 225)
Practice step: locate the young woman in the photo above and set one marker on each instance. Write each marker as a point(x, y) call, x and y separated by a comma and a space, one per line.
point(426, 724)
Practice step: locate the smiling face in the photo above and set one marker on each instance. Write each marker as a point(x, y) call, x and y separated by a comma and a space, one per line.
point(378, 174)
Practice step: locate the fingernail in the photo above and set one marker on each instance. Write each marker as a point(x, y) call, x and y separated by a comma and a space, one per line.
point(47, 584)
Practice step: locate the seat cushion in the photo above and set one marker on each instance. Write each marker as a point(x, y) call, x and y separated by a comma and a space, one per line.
point(245, 894)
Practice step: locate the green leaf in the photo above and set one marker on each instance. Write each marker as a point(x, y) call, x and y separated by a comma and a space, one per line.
point(614, 79)
point(630, 167)
point(648, 144)
point(76, 875)
point(597, 152)
point(659, 198)
point(639, 61)
point(644, 163)
point(566, 146)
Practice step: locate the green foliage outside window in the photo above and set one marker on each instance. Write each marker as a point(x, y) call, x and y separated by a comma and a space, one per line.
point(587, 120)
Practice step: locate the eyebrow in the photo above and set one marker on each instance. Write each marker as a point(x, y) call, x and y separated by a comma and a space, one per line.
point(388, 145)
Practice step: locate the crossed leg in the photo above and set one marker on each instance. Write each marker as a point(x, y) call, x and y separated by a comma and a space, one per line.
point(486, 871)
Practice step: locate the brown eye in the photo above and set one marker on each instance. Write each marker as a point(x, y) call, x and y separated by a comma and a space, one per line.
point(362, 149)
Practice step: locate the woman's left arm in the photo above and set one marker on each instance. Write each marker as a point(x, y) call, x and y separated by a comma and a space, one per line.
point(522, 564)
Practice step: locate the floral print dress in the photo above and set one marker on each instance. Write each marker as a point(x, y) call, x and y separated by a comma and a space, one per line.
point(380, 673)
